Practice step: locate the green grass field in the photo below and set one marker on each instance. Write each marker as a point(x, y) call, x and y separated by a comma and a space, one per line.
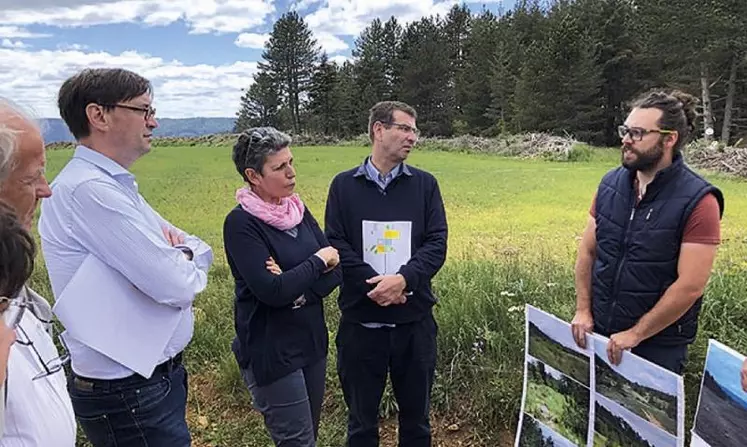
point(513, 232)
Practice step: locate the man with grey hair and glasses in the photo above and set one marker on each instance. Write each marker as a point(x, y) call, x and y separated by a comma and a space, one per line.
point(36, 407)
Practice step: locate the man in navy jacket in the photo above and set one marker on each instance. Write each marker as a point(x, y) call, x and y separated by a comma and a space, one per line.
point(387, 324)
point(647, 252)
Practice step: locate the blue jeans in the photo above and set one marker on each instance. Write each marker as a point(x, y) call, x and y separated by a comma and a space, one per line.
point(133, 411)
point(291, 405)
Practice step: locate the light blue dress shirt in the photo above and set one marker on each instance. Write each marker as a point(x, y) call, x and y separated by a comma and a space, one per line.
point(375, 176)
point(95, 208)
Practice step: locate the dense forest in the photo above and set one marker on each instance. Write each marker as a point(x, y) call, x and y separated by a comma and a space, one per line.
point(567, 67)
point(616, 431)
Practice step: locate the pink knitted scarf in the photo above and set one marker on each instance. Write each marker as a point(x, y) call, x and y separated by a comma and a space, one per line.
point(284, 216)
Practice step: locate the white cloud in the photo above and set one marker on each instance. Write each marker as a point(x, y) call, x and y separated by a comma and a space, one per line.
point(350, 17)
point(339, 59)
point(7, 31)
point(330, 43)
point(202, 16)
point(71, 46)
point(33, 79)
point(251, 40)
point(7, 43)
point(34, 4)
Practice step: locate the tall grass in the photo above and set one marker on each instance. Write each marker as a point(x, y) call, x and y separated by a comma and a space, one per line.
point(513, 232)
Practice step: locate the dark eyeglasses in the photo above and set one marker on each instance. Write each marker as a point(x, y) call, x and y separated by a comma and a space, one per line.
point(637, 133)
point(51, 366)
point(404, 128)
point(148, 112)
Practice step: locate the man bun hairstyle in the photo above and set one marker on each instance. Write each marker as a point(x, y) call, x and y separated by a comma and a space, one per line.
point(679, 112)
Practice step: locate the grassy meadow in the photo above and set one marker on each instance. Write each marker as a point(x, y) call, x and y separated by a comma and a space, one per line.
point(513, 231)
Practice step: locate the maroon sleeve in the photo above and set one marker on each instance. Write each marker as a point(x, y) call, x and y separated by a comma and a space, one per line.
point(704, 224)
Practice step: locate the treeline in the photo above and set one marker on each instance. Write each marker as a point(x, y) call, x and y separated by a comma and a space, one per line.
point(557, 66)
point(616, 430)
point(531, 434)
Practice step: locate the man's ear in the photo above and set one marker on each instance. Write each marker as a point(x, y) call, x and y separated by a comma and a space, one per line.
point(377, 128)
point(97, 118)
point(670, 140)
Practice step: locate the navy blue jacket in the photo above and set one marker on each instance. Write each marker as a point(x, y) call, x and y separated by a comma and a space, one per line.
point(638, 248)
point(413, 197)
point(274, 335)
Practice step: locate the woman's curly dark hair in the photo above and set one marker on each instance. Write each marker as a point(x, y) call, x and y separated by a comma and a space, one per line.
point(17, 252)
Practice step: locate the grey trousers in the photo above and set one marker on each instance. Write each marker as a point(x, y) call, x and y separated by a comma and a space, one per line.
point(292, 405)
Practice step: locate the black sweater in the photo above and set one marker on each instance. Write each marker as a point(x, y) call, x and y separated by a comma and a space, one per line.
point(272, 336)
point(413, 197)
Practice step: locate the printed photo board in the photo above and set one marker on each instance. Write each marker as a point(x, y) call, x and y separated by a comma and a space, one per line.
point(721, 416)
point(576, 397)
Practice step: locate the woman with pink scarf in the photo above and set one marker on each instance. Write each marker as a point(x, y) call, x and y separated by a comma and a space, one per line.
point(283, 268)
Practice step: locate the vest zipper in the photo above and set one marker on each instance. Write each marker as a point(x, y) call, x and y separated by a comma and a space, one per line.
point(615, 284)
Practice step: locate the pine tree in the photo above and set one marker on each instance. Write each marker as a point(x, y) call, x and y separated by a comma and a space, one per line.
point(290, 56)
point(346, 100)
point(456, 28)
point(425, 75)
point(322, 101)
point(559, 86)
point(376, 68)
point(259, 105)
point(474, 88)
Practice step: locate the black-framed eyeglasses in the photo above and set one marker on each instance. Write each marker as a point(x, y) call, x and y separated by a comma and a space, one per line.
point(51, 366)
point(404, 127)
point(148, 112)
point(637, 133)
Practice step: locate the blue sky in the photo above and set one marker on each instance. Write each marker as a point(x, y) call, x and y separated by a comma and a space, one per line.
point(557, 439)
point(198, 53)
point(639, 370)
point(725, 366)
point(557, 329)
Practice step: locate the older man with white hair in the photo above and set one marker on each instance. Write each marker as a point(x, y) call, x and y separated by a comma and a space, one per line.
point(36, 406)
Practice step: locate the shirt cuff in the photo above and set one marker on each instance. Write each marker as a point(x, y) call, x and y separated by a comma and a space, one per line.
point(202, 254)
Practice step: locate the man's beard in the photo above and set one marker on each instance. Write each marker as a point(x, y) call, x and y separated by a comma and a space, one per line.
point(645, 161)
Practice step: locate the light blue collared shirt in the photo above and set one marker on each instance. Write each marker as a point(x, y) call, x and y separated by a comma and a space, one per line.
point(95, 208)
point(382, 181)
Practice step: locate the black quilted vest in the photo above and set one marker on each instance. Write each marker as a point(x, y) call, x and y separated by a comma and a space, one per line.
point(638, 248)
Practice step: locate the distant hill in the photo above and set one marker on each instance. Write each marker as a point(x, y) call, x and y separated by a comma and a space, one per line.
point(54, 129)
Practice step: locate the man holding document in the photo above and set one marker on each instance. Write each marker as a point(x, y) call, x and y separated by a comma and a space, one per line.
point(388, 223)
point(124, 279)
